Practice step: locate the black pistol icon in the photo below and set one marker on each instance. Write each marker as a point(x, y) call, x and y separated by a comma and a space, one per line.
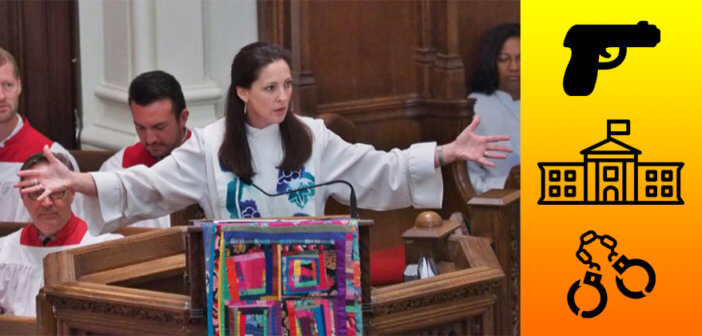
point(588, 42)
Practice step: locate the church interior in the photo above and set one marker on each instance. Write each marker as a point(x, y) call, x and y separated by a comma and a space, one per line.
point(389, 73)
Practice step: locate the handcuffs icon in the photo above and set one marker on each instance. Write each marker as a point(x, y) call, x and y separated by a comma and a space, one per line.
point(594, 279)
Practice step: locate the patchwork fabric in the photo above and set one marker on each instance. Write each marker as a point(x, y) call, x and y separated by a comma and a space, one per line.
point(257, 318)
point(283, 277)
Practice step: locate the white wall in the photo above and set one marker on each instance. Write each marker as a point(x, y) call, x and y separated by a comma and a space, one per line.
point(195, 40)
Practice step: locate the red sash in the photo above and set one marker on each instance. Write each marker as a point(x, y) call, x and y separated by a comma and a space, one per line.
point(24, 144)
point(71, 234)
point(137, 154)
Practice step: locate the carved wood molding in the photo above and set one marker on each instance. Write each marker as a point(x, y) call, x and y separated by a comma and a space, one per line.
point(515, 247)
point(351, 107)
point(495, 213)
point(273, 19)
point(480, 289)
point(418, 320)
point(112, 309)
point(399, 107)
point(106, 301)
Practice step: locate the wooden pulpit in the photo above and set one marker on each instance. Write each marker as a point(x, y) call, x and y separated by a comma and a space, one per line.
point(151, 282)
point(132, 285)
point(154, 283)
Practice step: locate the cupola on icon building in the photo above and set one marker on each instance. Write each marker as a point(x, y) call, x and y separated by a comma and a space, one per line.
point(611, 174)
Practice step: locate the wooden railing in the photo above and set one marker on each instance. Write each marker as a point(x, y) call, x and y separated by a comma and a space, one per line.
point(495, 215)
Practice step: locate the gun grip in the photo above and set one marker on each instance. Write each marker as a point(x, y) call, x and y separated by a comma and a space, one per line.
point(581, 73)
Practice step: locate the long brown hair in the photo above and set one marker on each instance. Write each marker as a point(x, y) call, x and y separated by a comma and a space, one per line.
point(235, 153)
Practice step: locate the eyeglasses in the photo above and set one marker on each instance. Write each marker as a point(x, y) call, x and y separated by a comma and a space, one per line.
point(56, 195)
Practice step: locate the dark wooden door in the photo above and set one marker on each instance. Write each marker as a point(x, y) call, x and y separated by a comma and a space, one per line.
point(42, 35)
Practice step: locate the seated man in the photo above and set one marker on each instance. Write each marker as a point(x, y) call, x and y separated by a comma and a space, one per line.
point(18, 140)
point(158, 109)
point(54, 228)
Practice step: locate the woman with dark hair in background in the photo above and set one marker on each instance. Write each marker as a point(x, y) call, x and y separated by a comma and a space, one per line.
point(261, 141)
point(496, 88)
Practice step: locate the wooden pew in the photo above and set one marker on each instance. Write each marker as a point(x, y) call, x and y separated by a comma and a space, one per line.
point(496, 216)
point(90, 160)
point(9, 227)
point(459, 301)
point(18, 325)
point(131, 285)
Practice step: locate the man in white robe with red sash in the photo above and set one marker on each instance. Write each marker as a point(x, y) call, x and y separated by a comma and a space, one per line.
point(54, 228)
point(18, 141)
point(159, 112)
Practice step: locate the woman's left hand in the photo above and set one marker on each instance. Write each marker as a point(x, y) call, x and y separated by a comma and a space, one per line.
point(474, 147)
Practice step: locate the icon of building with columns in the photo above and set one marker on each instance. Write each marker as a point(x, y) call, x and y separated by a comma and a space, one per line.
point(611, 174)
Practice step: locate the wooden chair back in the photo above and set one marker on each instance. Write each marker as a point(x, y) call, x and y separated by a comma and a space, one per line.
point(495, 215)
point(90, 160)
point(7, 228)
point(18, 325)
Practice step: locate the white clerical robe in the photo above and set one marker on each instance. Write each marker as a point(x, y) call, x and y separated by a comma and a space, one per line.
point(23, 142)
point(499, 114)
point(21, 271)
point(192, 173)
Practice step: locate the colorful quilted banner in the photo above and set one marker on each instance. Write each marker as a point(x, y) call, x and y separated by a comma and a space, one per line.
point(283, 277)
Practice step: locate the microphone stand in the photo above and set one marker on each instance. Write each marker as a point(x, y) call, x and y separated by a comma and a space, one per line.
point(352, 196)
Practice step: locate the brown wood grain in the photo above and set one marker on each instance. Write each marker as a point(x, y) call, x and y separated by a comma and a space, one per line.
point(147, 271)
point(133, 249)
point(446, 302)
point(42, 35)
point(495, 214)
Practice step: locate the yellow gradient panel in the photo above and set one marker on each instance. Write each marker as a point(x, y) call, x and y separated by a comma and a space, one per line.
point(656, 89)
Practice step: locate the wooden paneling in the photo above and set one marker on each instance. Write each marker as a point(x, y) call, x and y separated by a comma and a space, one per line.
point(393, 68)
point(41, 36)
point(359, 51)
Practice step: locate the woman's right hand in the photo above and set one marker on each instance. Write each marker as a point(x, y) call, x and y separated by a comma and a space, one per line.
point(51, 178)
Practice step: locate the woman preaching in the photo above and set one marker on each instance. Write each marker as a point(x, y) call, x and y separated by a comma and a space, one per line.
point(261, 141)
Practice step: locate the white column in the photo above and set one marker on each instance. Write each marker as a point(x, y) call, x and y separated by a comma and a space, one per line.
point(121, 39)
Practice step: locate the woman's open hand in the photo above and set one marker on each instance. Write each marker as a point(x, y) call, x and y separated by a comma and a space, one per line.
point(475, 147)
point(51, 177)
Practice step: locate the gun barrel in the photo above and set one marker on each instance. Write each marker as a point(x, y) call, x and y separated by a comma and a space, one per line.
point(638, 35)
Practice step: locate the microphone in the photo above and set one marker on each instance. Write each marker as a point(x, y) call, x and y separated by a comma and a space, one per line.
point(352, 196)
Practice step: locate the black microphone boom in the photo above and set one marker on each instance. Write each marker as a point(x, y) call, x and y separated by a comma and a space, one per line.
point(352, 196)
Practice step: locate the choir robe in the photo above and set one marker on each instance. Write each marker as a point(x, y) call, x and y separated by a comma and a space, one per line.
point(499, 114)
point(133, 155)
point(21, 256)
point(24, 142)
point(192, 173)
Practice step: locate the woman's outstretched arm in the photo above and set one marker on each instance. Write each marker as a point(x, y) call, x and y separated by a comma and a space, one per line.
point(55, 177)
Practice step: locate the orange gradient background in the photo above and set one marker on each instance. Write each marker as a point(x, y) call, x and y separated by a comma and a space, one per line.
point(658, 89)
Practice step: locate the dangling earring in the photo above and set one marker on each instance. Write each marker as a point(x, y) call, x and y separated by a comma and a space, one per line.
point(291, 107)
point(244, 108)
